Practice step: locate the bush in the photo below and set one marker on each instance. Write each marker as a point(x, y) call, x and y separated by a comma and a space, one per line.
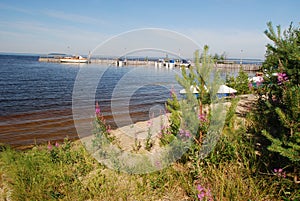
point(239, 83)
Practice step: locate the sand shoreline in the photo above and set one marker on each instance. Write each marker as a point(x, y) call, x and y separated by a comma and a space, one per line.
point(126, 135)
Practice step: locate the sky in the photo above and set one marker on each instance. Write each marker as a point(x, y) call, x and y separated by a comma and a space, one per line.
point(233, 27)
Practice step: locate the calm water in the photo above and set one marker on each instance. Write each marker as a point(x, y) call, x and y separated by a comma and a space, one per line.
point(36, 98)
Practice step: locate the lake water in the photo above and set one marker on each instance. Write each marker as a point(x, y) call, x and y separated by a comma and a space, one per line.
point(36, 98)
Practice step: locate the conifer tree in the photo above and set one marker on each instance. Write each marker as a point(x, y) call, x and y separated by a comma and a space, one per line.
point(278, 112)
point(173, 107)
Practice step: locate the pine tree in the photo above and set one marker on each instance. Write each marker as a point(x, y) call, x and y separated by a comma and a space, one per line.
point(173, 107)
point(279, 99)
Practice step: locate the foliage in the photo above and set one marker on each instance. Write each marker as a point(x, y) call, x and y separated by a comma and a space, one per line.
point(46, 172)
point(283, 54)
point(182, 112)
point(240, 82)
point(149, 141)
point(217, 58)
point(173, 106)
point(277, 115)
point(197, 79)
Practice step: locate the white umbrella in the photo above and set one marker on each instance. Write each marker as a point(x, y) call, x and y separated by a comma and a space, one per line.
point(226, 90)
point(223, 89)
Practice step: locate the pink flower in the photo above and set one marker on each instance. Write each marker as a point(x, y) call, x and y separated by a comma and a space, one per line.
point(181, 132)
point(281, 77)
point(258, 84)
point(279, 173)
point(202, 117)
point(97, 110)
point(201, 195)
point(200, 188)
point(56, 144)
point(49, 146)
point(204, 193)
point(108, 128)
point(250, 85)
point(187, 134)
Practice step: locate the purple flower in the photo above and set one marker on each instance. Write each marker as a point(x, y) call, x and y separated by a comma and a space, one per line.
point(187, 134)
point(282, 77)
point(181, 132)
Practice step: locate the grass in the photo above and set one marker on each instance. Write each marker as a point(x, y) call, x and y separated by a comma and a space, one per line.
point(72, 174)
point(68, 172)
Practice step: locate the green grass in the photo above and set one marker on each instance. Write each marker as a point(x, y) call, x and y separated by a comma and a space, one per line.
point(68, 172)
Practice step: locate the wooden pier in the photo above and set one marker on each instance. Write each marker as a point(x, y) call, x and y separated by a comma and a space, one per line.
point(245, 67)
point(115, 62)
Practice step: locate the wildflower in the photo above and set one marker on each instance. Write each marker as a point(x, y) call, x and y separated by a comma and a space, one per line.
point(279, 173)
point(97, 110)
point(56, 144)
point(250, 85)
point(187, 134)
point(202, 117)
point(181, 132)
point(281, 77)
point(49, 146)
point(184, 133)
point(108, 129)
point(258, 84)
point(204, 193)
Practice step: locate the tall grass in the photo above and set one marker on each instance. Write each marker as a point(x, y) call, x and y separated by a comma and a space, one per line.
point(68, 172)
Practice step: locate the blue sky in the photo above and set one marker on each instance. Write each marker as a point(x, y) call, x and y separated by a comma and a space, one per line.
point(232, 26)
